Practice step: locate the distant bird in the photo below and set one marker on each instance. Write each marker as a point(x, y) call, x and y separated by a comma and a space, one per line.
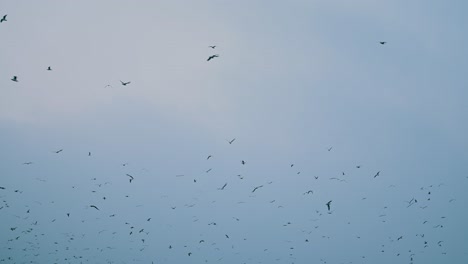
point(243, 162)
point(189, 254)
point(149, 219)
point(382, 42)
point(201, 241)
point(212, 57)
point(227, 236)
point(212, 47)
point(328, 205)
point(330, 148)
point(68, 214)
point(131, 177)
point(208, 170)
point(230, 141)
point(209, 156)
point(222, 188)
point(257, 188)
point(377, 174)
point(15, 78)
point(58, 151)
point(27, 163)
point(309, 192)
point(49, 68)
point(401, 237)
point(95, 207)
point(358, 166)
point(124, 83)
point(108, 86)
point(3, 19)
point(89, 154)
point(316, 177)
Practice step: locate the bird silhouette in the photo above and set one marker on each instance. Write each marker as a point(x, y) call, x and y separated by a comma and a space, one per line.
point(15, 78)
point(212, 47)
point(377, 174)
point(3, 19)
point(212, 57)
point(257, 188)
point(243, 162)
point(124, 83)
point(328, 205)
point(230, 141)
point(95, 207)
point(58, 151)
point(131, 177)
point(222, 188)
point(49, 68)
point(209, 156)
point(382, 42)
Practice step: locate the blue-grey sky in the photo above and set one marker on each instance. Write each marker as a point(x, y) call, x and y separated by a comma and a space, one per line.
point(304, 87)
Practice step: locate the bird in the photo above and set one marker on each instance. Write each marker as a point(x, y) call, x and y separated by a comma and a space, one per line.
point(328, 205)
point(309, 191)
point(149, 219)
point(95, 207)
point(125, 83)
point(243, 162)
point(189, 254)
point(377, 174)
point(15, 78)
point(89, 154)
point(257, 188)
point(230, 141)
point(201, 241)
point(209, 156)
point(222, 188)
point(49, 68)
point(108, 85)
point(58, 151)
point(131, 177)
point(358, 166)
point(3, 19)
point(330, 148)
point(212, 47)
point(382, 42)
point(212, 57)
point(27, 163)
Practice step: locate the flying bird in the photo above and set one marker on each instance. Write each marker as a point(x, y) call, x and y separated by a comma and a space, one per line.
point(257, 188)
point(131, 177)
point(329, 149)
point(58, 151)
point(27, 163)
point(124, 83)
point(212, 47)
point(328, 205)
point(382, 42)
point(95, 207)
point(212, 57)
point(49, 68)
point(377, 174)
point(230, 141)
point(15, 78)
point(222, 188)
point(209, 156)
point(3, 19)
point(243, 162)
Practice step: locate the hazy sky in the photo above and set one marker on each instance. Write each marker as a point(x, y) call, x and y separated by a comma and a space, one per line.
point(296, 82)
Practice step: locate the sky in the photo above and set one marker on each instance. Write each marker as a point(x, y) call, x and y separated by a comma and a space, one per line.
point(303, 102)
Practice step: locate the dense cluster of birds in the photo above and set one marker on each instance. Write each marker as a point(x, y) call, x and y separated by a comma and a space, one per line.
point(33, 234)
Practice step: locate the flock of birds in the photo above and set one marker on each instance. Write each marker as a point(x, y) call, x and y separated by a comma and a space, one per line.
point(31, 234)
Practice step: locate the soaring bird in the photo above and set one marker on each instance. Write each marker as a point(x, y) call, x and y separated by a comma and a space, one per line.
point(330, 148)
point(377, 174)
point(89, 153)
point(15, 79)
point(222, 188)
point(257, 188)
point(49, 68)
point(212, 47)
point(212, 57)
point(243, 162)
point(95, 207)
point(328, 205)
point(3, 19)
point(209, 156)
point(230, 141)
point(28, 163)
point(382, 42)
point(131, 177)
point(58, 151)
point(124, 83)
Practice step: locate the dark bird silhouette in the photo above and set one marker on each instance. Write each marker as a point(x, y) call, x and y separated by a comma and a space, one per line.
point(329, 149)
point(149, 219)
point(58, 151)
point(15, 78)
point(209, 156)
point(89, 154)
point(3, 19)
point(222, 188)
point(377, 174)
point(309, 192)
point(124, 83)
point(49, 68)
point(27, 163)
point(243, 162)
point(95, 207)
point(201, 241)
point(257, 188)
point(230, 141)
point(131, 177)
point(358, 166)
point(328, 205)
point(212, 57)
point(189, 254)
point(382, 42)
point(227, 236)
point(212, 47)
